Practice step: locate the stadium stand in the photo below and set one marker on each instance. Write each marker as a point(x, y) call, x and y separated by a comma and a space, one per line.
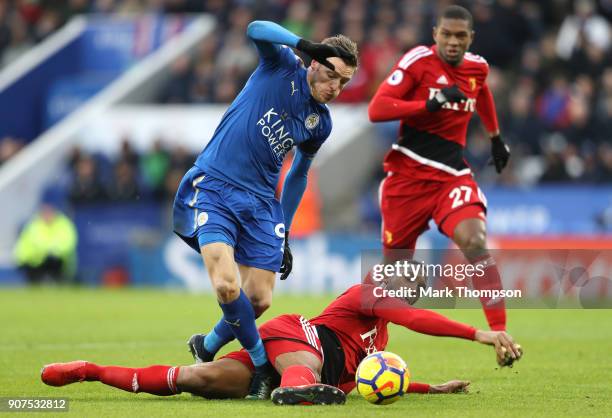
point(551, 75)
point(554, 91)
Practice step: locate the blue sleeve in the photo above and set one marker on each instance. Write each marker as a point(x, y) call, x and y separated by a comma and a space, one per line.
point(267, 37)
point(294, 186)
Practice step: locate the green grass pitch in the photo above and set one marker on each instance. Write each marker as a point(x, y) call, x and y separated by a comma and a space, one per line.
point(566, 370)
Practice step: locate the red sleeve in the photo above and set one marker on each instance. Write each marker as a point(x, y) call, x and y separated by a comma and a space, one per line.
point(388, 104)
point(421, 320)
point(485, 106)
point(415, 387)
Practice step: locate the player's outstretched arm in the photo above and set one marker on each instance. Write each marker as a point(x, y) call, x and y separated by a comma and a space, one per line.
point(421, 320)
point(293, 190)
point(295, 185)
point(267, 37)
point(433, 323)
point(453, 386)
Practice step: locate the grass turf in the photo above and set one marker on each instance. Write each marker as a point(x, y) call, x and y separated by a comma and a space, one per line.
point(565, 372)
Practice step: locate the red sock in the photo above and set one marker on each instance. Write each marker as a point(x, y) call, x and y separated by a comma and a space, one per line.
point(297, 376)
point(496, 311)
point(156, 380)
point(414, 387)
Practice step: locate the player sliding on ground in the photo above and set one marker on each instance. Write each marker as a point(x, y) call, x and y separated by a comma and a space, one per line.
point(434, 91)
point(316, 359)
point(225, 207)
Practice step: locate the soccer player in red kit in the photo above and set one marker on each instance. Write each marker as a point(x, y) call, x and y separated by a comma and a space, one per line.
point(434, 91)
point(316, 359)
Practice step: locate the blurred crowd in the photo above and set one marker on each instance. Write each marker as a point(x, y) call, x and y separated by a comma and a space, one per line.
point(551, 71)
point(129, 176)
point(551, 65)
point(153, 176)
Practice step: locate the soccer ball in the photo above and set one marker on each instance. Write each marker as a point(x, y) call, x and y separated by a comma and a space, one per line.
point(382, 378)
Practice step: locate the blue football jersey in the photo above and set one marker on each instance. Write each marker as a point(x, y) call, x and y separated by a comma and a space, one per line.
point(273, 112)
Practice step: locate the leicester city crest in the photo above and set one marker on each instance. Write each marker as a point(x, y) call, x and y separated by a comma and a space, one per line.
point(311, 121)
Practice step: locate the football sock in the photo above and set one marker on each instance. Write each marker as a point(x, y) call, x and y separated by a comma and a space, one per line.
point(218, 337)
point(297, 376)
point(156, 380)
point(240, 317)
point(415, 387)
point(494, 309)
point(258, 355)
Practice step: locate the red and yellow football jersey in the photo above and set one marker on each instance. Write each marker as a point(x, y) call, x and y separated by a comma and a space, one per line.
point(359, 318)
point(430, 144)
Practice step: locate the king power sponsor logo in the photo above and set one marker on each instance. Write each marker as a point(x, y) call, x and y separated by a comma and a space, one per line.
point(468, 105)
point(276, 133)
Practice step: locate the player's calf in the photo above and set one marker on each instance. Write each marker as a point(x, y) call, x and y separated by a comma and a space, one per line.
point(220, 379)
point(470, 236)
point(157, 380)
point(202, 380)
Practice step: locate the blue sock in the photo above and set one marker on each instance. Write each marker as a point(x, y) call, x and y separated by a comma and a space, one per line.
point(220, 335)
point(258, 352)
point(240, 317)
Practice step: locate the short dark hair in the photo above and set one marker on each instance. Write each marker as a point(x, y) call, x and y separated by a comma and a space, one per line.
point(457, 12)
point(347, 45)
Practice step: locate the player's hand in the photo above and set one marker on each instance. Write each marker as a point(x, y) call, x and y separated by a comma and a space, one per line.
point(450, 94)
point(320, 52)
point(500, 153)
point(454, 386)
point(506, 350)
point(287, 264)
point(507, 359)
point(453, 94)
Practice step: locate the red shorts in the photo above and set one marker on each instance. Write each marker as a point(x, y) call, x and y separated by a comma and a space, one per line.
point(408, 204)
point(283, 334)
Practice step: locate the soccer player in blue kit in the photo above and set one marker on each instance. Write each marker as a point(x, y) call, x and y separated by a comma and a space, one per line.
point(225, 207)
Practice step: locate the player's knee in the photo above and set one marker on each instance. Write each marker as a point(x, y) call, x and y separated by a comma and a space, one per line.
point(260, 297)
point(226, 290)
point(198, 379)
point(260, 305)
point(473, 241)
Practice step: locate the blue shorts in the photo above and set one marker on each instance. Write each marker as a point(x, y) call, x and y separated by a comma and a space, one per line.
point(208, 210)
